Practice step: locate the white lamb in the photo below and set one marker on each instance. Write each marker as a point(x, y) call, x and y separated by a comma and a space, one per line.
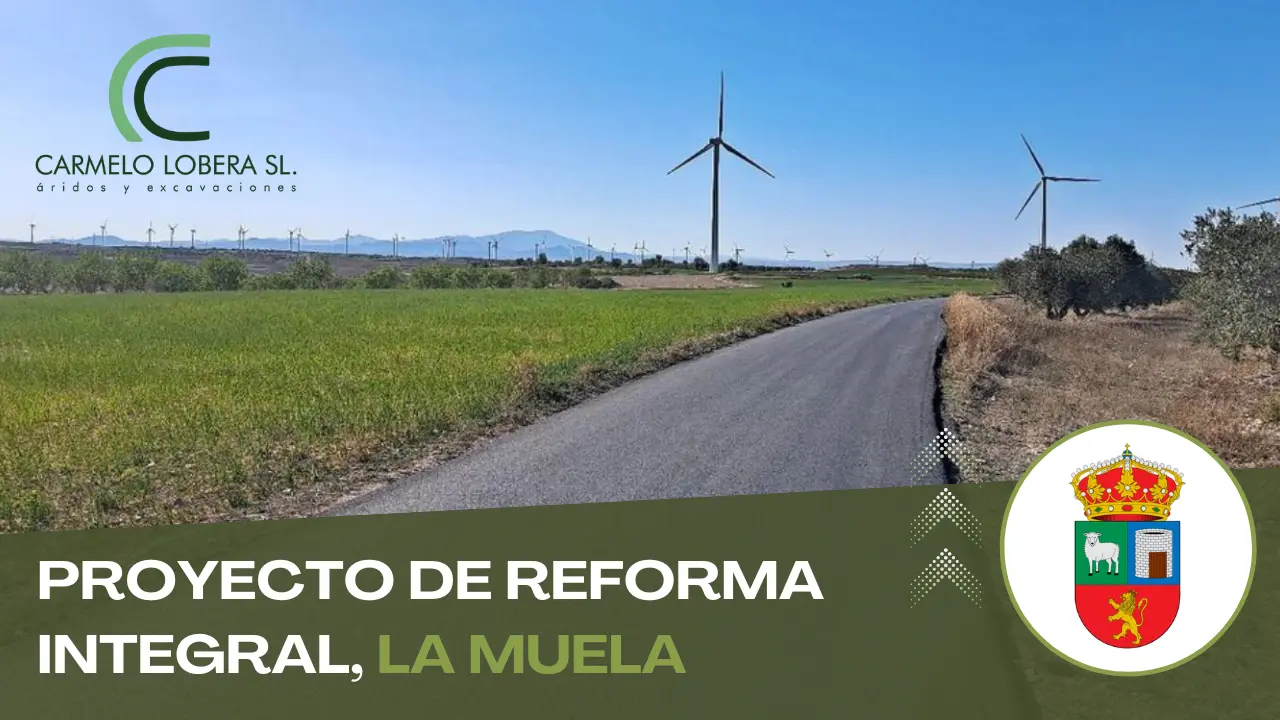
point(1101, 551)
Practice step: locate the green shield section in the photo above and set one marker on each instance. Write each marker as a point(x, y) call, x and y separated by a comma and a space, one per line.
point(1103, 573)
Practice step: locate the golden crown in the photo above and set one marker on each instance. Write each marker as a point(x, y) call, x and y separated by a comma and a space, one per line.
point(1127, 488)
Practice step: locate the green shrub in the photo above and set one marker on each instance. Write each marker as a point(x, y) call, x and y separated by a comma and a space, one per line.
point(272, 281)
point(1237, 289)
point(133, 271)
point(224, 273)
point(88, 273)
point(494, 278)
point(312, 272)
point(177, 277)
point(383, 278)
point(8, 270)
point(468, 277)
point(431, 276)
point(27, 272)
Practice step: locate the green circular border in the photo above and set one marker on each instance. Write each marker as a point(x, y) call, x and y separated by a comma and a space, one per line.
point(1253, 560)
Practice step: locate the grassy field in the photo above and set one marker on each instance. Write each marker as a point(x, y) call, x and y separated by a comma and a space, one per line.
point(128, 409)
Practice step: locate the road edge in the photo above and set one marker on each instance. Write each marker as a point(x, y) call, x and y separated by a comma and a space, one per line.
point(541, 402)
point(950, 471)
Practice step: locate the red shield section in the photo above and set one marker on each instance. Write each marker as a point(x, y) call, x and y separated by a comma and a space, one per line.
point(1105, 612)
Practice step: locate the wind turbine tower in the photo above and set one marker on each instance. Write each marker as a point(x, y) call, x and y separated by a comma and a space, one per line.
point(346, 242)
point(33, 233)
point(193, 238)
point(104, 233)
point(172, 229)
point(714, 145)
point(150, 231)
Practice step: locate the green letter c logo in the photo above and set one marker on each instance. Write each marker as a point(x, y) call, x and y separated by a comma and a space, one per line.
point(121, 74)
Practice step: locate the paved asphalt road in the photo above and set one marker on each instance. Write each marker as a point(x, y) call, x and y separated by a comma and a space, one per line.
point(841, 402)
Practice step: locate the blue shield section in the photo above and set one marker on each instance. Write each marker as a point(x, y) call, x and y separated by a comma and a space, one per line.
point(1155, 553)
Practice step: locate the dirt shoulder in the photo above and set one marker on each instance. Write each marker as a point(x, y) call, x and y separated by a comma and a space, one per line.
point(1014, 382)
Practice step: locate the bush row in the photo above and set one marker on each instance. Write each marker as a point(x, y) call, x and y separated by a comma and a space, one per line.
point(91, 272)
point(1087, 276)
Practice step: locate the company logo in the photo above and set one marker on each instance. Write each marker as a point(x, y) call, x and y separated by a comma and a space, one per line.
point(1145, 599)
point(121, 74)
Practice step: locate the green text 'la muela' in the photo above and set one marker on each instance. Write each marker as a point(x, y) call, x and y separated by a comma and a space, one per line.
point(544, 655)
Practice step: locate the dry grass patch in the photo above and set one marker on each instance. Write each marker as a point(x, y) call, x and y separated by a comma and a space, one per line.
point(1014, 382)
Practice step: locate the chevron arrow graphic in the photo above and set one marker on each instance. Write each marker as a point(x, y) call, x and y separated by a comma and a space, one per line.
point(946, 506)
point(945, 445)
point(946, 567)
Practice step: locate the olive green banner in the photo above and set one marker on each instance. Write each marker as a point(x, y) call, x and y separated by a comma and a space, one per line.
point(866, 603)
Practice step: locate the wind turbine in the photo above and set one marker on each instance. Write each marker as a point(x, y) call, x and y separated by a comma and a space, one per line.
point(537, 248)
point(291, 239)
point(33, 233)
point(737, 254)
point(589, 248)
point(346, 242)
point(1042, 186)
point(687, 248)
point(924, 262)
point(714, 144)
point(241, 232)
point(1260, 202)
point(104, 233)
point(789, 252)
point(495, 249)
point(395, 245)
point(193, 238)
point(828, 254)
point(172, 229)
point(640, 248)
point(297, 233)
point(876, 258)
point(613, 250)
point(150, 231)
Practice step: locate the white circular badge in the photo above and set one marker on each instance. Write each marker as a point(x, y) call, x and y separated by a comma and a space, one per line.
point(1128, 548)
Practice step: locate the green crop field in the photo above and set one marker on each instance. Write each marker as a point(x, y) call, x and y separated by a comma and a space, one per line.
point(152, 408)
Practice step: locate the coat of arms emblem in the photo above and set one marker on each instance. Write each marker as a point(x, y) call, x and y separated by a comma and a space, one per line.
point(1127, 556)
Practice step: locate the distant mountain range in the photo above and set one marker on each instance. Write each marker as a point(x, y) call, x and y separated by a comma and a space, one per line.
point(512, 244)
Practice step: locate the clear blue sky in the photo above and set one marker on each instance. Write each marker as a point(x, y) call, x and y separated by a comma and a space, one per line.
point(888, 125)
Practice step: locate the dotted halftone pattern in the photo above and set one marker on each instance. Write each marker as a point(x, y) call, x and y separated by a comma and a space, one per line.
point(944, 445)
point(946, 506)
point(946, 567)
